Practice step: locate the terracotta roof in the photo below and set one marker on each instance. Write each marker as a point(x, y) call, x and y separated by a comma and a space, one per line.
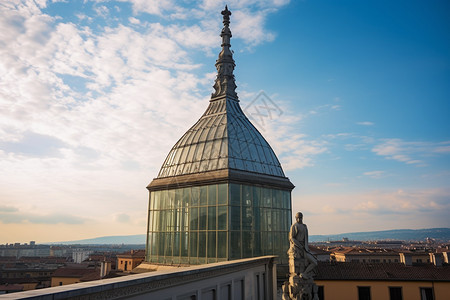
point(132, 254)
point(11, 287)
point(82, 273)
point(381, 271)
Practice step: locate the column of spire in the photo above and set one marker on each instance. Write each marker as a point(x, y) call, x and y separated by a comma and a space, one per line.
point(225, 84)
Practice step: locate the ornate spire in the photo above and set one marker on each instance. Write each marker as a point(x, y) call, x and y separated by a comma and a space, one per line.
point(225, 85)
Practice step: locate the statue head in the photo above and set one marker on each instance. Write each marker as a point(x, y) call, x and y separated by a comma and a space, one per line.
point(299, 217)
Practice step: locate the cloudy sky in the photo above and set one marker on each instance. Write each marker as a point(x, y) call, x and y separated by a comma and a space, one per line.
point(93, 94)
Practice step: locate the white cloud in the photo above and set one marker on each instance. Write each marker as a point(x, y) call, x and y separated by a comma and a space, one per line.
point(409, 152)
point(374, 174)
point(365, 123)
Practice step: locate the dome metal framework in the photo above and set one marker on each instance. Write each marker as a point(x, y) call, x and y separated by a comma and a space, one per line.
point(223, 138)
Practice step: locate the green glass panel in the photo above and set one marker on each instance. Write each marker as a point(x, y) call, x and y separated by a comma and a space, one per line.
point(202, 244)
point(247, 244)
point(184, 219)
point(235, 218)
point(202, 218)
point(277, 199)
point(163, 200)
point(257, 251)
point(150, 220)
point(285, 199)
point(246, 195)
point(221, 244)
point(171, 199)
point(276, 220)
point(235, 194)
point(161, 244)
point(186, 197)
point(222, 218)
point(193, 243)
point(269, 247)
point(177, 219)
point(176, 244)
point(212, 218)
point(266, 195)
point(168, 244)
point(157, 204)
point(178, 197)
point(222, 193)
point(193, 218)
point(256, 218)
point(151, 204)
point(235, 244)
point(203, 195)
point(212, 194)
point(247, 218)
point(184, 244)
point(154, 244)
point(162, 220)
point(212, 244)
point(256, 196)
point(195, 196)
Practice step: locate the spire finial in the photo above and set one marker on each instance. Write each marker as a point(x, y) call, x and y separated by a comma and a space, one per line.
point(225, 85)
point(226, 16)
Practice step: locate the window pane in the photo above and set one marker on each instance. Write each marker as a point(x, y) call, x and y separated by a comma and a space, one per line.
point(201, 244)
point(221, 244)
point(247, 244)
point(202, 218)
point(222, 193)
point(235, 244)
point(246, 195)
point(212, 194)
point(203, 195)
point(193, 241)
point(178, 197)
point(247, 218)
point(184, 243)
point(195, 196)
point(277, 199)
point(266, 195)
point(168, 244)
point(426, 294)
point(222, 218)
point(235, 194)
point(212, 244)
point(256, 238)
point(176, 244)
point(193, 218)
point(171, 199)
point(212, 218)
point(161, 239)
point(363, 293)
point(157, 199)
point(186, 197)
point(235, 218)
point(256, 196)
point(163, 199)
point(395, 293)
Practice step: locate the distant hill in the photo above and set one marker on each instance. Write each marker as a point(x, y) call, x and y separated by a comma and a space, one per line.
point(442, 234)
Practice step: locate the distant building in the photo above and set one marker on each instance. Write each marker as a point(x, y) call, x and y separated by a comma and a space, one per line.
point(71, 275)
point(221, 193)
point(130, 260)
point(365, 255)
point(379, 281)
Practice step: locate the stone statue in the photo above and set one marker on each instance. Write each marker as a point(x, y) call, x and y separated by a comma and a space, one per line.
point(302, 264)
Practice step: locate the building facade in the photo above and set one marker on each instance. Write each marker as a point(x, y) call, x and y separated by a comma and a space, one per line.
point(221, 193)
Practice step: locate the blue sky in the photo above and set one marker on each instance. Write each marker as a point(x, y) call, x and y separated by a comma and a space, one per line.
point(93, 94)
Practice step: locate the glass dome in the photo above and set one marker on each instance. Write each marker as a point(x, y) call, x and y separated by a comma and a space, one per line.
point(222, 138)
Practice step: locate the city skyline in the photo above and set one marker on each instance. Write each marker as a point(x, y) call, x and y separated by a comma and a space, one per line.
point(353, 98)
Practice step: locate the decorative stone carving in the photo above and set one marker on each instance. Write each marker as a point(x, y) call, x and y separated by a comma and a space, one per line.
point(302, 265)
